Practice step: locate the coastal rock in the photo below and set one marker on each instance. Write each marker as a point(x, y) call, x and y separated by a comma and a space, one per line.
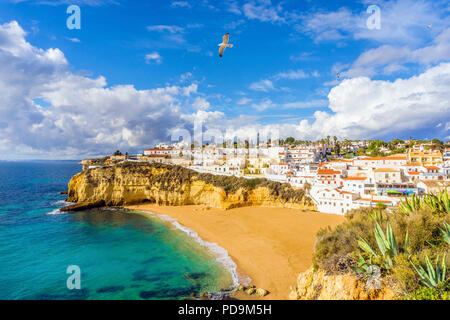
point(83, 205)
point(171, 185)
point(317, 285)
point(250, 291)
point(261, 292)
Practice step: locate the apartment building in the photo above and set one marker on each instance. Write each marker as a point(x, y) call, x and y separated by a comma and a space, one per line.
point(425, 157)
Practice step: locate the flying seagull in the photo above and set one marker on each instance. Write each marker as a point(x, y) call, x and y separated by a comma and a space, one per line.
point(224, 44)
point(429, 26)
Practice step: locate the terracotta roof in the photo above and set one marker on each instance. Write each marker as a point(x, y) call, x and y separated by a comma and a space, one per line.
point(383, 201)
point(327, 171)
point(432, 168)
point(354, 178)
point(413, 172)
point(342, 191)
point(386, 170)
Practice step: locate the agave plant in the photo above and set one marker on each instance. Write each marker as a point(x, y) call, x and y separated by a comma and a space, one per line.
point(386, 244)
point(363, 266)
point(375, 215)
point(433, 275)
point(413, 204)
point(438, 203)
point(446, 233)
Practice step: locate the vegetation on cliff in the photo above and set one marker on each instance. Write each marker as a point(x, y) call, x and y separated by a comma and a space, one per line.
point(174, 176)
point(409, 246)
point(134, 182)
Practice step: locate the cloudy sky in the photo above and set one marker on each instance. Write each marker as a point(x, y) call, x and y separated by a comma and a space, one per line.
point(139, 72)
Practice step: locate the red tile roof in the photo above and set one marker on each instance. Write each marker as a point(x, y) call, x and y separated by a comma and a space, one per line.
point(432, 168)
point(327, 171)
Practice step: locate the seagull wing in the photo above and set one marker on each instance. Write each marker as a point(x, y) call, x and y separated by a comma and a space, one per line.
point(221, 50)
point(225, 38)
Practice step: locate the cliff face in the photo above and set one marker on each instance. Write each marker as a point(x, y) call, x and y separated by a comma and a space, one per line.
point(168, 185)
point(317, 285)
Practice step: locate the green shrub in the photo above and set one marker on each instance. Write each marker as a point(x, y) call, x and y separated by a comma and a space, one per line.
point(171, 177)
point(425, 239)
point(331, 244)
point(441, 292)
point(404, 276)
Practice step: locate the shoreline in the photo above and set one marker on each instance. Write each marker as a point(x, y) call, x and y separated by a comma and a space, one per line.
point(270, 246)
point(218, 252)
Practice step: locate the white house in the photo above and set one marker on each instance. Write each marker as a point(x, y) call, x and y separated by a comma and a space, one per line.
point(333, 200)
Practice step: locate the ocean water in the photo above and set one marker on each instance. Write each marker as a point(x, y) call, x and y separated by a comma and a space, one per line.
point(121, 255)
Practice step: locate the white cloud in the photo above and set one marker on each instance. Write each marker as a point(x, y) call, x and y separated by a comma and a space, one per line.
point(93, 3)
point(402, 22)
point(264, 105)
point(233, 7)
point(295, 75)
point(201, 104)
point(47, 110)
point(244, 101)
point(166, 28)
point(208, 119)
point(367, 108)
point(324, 26)
point(76, 40)
point(180, 4)
point(153, 57)
point(387, 59)
point(303, 56)
point(233, 25)
point(304, 104)
point(185, 76)
point(264, 11)
point(264, 85)
point(268, 104)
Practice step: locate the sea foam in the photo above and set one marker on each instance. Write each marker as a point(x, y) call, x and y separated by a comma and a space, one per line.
point(60, 203)
point(219, 253)
point(56, 211)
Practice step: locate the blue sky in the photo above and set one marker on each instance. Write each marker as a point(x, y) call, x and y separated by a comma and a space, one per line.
point(138, 70)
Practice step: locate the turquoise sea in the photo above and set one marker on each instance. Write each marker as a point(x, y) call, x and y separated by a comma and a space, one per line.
point(121, 255)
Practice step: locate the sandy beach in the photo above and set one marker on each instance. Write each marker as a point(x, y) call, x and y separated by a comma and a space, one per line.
point(269, 245)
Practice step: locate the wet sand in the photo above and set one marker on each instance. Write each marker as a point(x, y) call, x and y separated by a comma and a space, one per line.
point(269, 245)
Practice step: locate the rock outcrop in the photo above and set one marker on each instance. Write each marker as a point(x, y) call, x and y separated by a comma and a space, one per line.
point(317, 285)
point(84, 205)
point(173, 185)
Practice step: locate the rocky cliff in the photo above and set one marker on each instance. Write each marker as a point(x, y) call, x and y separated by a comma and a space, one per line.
point(133, 183)
point(318, 285)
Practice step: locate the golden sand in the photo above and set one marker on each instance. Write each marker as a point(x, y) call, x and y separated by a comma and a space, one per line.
point(269, 245)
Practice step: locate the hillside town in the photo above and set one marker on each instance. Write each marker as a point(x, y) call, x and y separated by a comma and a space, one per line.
point(338, 175)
